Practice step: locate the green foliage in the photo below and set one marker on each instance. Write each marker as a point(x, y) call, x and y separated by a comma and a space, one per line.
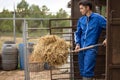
point(24, 10)
point(6, 26)
point(61, 14)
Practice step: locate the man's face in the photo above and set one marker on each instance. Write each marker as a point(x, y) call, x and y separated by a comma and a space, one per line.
point(83, 9)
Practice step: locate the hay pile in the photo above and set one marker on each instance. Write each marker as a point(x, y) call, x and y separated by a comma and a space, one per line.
point(51, 49)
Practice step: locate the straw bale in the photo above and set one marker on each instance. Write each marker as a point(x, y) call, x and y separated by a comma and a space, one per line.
point(51, 49)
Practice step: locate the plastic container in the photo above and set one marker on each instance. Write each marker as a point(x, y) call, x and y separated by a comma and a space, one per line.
point(21, 53)
point(9, 56)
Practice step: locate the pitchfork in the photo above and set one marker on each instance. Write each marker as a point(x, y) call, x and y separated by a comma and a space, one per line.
point(88, 47)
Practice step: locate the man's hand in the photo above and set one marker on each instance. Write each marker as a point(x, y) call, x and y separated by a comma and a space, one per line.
point(77, 48)
point(105, 42)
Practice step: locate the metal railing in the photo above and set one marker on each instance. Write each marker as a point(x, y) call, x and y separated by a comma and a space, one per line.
point(54, 27)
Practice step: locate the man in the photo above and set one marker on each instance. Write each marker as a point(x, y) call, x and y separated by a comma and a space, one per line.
point(88, 31)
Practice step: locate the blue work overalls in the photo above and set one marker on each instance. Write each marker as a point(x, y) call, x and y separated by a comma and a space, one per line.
point(87, 33)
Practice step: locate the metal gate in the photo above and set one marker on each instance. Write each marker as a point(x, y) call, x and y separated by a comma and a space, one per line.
point(53, 26)
point(56, 27)
point(33, 70)
point(113, 39)
point(64, 72)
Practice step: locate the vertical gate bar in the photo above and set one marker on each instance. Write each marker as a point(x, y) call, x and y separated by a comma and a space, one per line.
point(50, 25)
point(14, 27)
point(50, 34)
point(26, 71)
point(71, 55)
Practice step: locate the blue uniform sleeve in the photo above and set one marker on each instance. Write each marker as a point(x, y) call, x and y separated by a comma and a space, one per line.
point(102, 22)
point(77, 34)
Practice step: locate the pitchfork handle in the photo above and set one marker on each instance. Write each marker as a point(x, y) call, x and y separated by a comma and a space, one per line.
point(89, 47)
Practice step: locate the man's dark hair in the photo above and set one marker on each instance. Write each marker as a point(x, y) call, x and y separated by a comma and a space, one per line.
point(86, 3)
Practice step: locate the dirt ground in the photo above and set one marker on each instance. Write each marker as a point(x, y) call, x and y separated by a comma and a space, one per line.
point(12, 75)
point(42, 75)
point(19, 75)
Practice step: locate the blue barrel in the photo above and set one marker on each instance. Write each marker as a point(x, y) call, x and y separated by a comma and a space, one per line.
point(21, 53)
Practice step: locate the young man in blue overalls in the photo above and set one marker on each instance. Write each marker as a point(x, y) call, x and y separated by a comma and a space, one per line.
point(89, 28)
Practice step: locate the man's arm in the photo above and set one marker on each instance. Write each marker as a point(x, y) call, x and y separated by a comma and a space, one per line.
point(103, 22)
point(77, 36)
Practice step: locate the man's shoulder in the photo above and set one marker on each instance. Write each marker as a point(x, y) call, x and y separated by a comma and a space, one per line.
point(82, 18)
point(97, 15)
